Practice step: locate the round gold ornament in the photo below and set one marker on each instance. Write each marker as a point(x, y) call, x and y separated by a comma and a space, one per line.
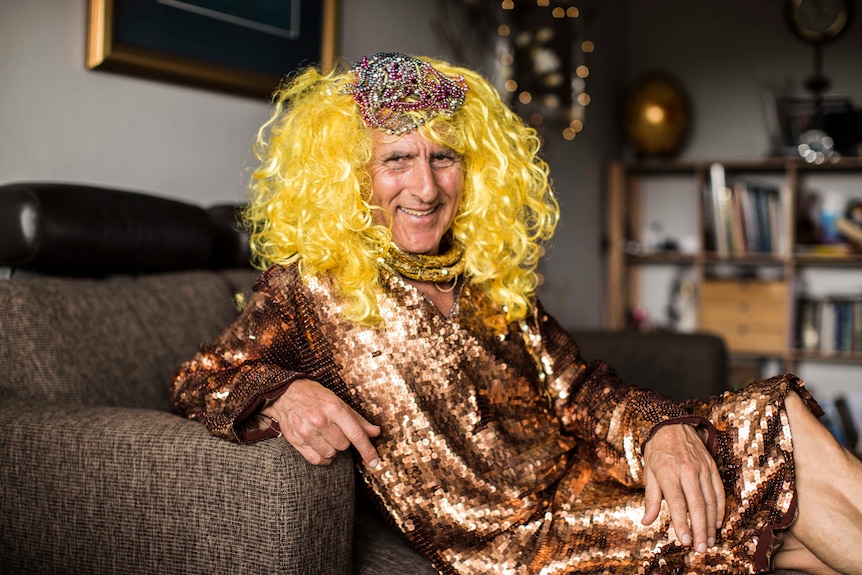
point(657, 115)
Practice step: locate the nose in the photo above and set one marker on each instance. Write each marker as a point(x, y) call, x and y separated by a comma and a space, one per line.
point(424, 182)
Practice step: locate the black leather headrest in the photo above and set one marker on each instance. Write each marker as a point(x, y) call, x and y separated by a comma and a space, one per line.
point(79, 229)
point(230, 240)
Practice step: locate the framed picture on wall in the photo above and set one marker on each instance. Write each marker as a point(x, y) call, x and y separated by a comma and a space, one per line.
point(240, 46)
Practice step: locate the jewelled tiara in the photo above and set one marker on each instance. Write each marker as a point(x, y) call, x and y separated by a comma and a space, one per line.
point(398, 93)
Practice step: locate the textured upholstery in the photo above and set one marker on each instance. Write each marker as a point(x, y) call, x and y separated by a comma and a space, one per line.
point(111, 341)
point(99, 477)
point(679, 365)
point(120, 490)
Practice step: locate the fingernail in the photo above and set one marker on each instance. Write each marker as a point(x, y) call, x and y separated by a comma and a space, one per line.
point(374, 463)
point(718, 524)
point(686, 539)
point(701, 548)
point(710, 542)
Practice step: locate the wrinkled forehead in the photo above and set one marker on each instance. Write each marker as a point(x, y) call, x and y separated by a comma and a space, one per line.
point(411, 142)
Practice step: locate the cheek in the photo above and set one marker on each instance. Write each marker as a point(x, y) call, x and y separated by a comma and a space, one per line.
point(377, 196)
point(383, 190)
point(456, 188)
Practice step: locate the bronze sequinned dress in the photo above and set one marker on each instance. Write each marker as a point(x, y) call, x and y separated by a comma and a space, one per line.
point(502, 450)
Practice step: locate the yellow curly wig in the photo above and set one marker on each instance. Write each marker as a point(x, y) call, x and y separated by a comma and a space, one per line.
point(309, 196)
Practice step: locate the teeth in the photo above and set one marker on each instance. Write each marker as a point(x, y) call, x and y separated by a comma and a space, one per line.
point(417, 212)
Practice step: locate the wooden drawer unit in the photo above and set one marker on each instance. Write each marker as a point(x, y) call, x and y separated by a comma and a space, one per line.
point(751, 315)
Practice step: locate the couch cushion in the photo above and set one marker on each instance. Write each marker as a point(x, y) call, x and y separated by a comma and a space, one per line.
point(112, 341)
point(680, 365)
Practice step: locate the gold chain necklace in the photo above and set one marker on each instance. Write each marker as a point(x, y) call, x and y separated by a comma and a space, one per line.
point(446, 290)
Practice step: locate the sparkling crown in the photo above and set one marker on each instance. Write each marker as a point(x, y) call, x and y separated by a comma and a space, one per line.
point(391, 88)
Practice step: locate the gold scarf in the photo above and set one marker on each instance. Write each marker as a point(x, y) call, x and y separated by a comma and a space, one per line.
point(440, 268)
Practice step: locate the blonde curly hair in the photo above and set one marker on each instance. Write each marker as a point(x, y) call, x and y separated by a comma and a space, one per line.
point(309, 196)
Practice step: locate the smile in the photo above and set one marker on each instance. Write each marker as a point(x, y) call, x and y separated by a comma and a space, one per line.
point(418, 213)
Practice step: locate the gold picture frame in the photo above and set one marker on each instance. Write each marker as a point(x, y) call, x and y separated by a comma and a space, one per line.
point(253, 66)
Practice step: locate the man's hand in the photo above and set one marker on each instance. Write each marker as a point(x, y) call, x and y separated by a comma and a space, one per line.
point(679, 469)
point(318, 424)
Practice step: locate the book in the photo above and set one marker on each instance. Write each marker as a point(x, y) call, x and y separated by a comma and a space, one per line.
point(808, 324)
point(720, 208)
point(708, 219)
point(742, 217)
point(843, 325)
point(738, 238)
point(827, 327)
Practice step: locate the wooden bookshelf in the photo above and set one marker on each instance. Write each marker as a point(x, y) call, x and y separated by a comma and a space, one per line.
point(771, 328)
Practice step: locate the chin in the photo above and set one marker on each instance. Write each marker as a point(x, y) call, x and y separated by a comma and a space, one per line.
point(424, 248)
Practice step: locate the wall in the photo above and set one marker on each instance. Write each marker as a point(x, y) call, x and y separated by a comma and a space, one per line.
point(60, 121)
point(573, 270)
point(721, 51)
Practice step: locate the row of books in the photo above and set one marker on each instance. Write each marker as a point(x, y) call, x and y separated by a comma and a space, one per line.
point(829, 324)
point(742, 217)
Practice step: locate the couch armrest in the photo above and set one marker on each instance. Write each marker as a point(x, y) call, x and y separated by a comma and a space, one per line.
point(117, 490)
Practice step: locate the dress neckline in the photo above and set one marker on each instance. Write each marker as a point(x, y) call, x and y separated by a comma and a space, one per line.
point(456, 294)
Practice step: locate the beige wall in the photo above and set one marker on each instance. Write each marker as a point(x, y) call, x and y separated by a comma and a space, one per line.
point(60, 121)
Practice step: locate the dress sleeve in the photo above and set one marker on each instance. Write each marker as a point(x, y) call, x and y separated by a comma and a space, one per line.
point(251, 363)
point(595, 405)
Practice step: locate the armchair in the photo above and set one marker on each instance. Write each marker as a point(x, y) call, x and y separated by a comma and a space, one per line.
point(106, 293)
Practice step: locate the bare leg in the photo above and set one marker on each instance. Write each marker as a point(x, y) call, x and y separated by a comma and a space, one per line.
point(828, 488)
point(796, 556)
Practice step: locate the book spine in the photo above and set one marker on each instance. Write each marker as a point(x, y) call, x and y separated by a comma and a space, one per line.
point(827, 327)
point(720, 208)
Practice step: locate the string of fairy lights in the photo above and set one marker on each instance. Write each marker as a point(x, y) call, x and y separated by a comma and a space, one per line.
point(541, 62)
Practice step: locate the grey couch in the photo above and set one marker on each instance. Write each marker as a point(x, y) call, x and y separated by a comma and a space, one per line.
point(104, 294)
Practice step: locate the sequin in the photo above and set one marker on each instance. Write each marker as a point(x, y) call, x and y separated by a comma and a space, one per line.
point(484, 465)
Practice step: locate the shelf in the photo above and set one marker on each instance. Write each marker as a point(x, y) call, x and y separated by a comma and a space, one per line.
point(814, 260)
point(642, 192)
point(799, 260)
point(847, 357)
point(657, 166)
point(676, 258)
point(661, 258)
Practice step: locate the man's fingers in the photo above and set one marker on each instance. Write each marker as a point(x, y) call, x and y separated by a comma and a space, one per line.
point(319, 424)
point(679, 514)
point(370, 429)
point(357, 430)
point(721, 500)
point(315, 455)
point(711, 500)
point(652, 500)
point(697, 512)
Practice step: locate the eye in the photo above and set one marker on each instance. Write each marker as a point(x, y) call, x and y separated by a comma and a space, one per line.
point(444, 159)
point(397, 159)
